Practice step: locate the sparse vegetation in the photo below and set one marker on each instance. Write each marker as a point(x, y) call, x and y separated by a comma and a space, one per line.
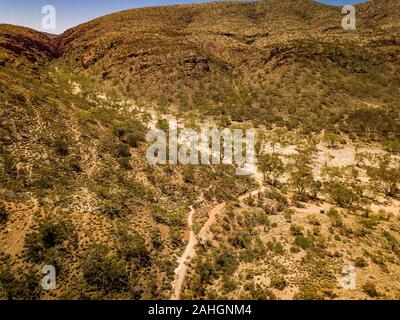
point(370, 289)
point(76, 185)
point(385, 178)
point(272, 168)
point(3, 214)
point(105, 271)
point(360, 262)
point(278, 282)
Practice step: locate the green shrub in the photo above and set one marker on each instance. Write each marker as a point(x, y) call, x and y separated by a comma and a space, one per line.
point(360, 262)
point(226, 263)
point(331, 139)
point(46, 236)
point(368, 223)
point(296, 230)
point(272, 168)
point(129, 131)
point(3, 214)
point(275, 194)
point(135, 138)
point(393, 242)
point(275, 247)
point(370, 289)
point(228, 284)
point(188, 174)
point(125, 163)
point(61, 147)
point(278, 282)
point(241, 241)
point(302, 181)
point(105, 271)
point(176, 236)
point(73, 163)
point(306, 243)
point(259, 293)
point(385, 178)
point(315, 291)
point(122, 150)
point(335, 217)
point(313, 220)
point(374, 124)
point(133, 247)
point(26, 286)
point(344, 195)
point(156, 239)
point(114, 208)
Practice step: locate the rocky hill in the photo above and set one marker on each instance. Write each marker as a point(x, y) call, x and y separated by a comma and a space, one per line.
point(77, 192)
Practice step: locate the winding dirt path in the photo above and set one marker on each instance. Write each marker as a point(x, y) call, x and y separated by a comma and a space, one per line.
point(188, 254)
point(204, 235)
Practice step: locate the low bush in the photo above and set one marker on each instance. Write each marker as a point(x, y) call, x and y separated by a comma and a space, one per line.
point(226, 263)
point(335, 217)
point(360, 262)
point(133, 247)
point(370, 289)
point(105, 271)
point(296, 230)
point(61, 147)
point(276, 247)
point(122, 150)
point(343, 195)
point(3, 214)
point(278, 282)
point(306, 243)
point(48, 237)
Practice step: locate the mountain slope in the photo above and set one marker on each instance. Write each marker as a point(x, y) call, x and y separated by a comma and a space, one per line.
point(75, 182)
point(265, 62)
point(77, 192)
point(24, 47)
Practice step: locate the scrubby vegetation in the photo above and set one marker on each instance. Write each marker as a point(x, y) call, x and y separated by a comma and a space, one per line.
point(3, 214)
point(77, 192)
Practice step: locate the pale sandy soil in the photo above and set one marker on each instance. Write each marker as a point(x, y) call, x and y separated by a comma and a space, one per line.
point(188, 254)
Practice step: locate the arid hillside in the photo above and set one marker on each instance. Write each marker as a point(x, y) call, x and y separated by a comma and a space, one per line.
point(272, 61)
point(77, 192)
